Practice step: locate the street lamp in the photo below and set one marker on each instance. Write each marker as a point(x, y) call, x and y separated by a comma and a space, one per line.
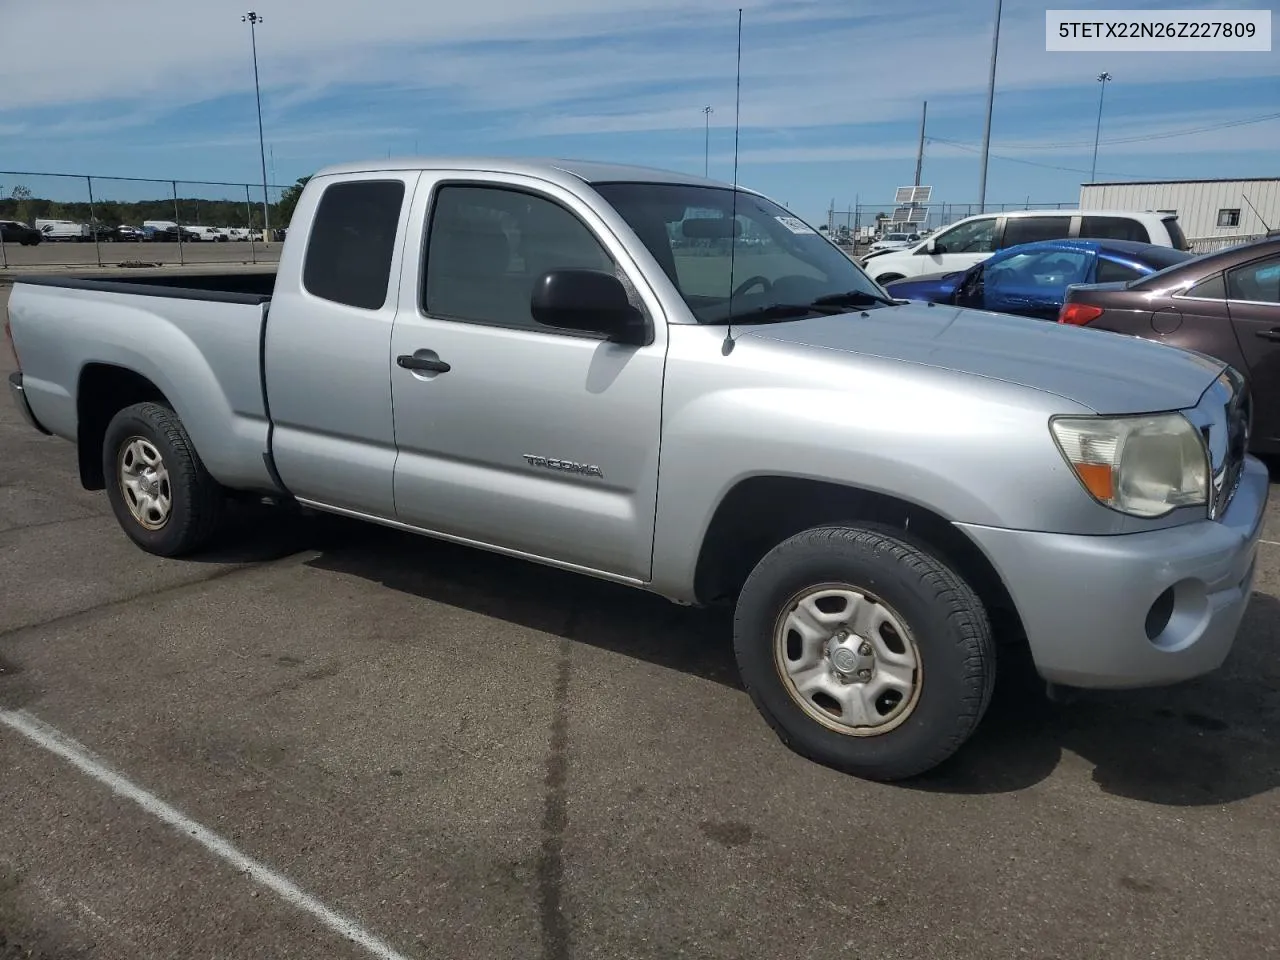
point(706, 150)
point(1102, 92)
point(986, 130)
point(253, 19)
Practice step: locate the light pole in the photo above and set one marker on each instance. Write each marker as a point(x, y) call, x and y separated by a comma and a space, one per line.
point(253, 19)
point(706, 150)
point(986, 130)
point(1102, 79)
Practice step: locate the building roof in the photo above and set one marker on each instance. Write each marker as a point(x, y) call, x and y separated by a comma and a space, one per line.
point(555, 170)
point(1167, 183)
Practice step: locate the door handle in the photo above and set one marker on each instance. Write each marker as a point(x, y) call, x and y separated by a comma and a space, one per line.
point(1272, 334)
point(425, 364)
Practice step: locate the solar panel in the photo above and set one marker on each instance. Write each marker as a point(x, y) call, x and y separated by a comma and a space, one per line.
point(919, 214)
point(913, 194)
point(902, 215)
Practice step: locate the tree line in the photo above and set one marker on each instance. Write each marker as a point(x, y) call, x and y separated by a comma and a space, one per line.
point(22, 205)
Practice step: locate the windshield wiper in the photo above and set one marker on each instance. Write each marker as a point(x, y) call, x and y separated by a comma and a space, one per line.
point(852, 298)
point(774, 312)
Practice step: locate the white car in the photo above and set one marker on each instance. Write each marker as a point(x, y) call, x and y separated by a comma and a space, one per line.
point(975, 238)
point(893, 241)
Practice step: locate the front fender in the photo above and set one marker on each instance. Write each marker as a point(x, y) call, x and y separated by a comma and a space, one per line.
point(959, 445)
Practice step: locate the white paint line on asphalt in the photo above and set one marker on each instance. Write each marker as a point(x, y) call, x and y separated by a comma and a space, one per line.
point(1270, 543)
point(79, 756)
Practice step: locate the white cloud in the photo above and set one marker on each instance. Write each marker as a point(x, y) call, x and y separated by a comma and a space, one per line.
point(595, 67)
point(1045, 150)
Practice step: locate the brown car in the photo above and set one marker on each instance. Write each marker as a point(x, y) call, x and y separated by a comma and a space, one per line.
point(1225, 304)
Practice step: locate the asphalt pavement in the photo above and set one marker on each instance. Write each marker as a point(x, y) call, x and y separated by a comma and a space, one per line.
point(331, 740)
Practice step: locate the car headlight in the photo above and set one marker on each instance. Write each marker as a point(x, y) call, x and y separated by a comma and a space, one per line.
point(1145, 466)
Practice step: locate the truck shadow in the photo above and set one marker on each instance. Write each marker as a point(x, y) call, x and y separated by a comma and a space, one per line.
point(1204, 742)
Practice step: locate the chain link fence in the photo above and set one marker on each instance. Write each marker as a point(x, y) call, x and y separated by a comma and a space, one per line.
point(84, 220)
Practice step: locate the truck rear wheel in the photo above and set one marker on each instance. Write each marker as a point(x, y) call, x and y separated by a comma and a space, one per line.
point(864, 651)
point(161, 493)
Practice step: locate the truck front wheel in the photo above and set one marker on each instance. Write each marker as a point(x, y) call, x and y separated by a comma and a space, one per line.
point(161, 493)
point(864, 651)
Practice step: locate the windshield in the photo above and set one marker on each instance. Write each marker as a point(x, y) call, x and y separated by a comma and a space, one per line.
point(777, 259)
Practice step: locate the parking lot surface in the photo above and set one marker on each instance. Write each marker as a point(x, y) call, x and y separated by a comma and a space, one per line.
point(324, 730)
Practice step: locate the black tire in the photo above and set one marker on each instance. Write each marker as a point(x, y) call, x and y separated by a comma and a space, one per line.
point(953, 645)
point(888, 278)
point(197, 502)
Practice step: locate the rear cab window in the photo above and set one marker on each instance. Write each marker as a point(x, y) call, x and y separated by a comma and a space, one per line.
point(352, 241)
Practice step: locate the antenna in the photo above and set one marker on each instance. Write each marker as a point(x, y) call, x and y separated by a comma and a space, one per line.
point(727, 347)
point(1256, 213)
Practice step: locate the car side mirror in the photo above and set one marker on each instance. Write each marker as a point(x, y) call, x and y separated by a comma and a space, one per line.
point(590, 301)
point(931, 246)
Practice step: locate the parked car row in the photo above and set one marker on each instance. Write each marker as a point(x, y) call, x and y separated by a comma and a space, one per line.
point(1031, 279)
point(13, 231)
point(973, 239)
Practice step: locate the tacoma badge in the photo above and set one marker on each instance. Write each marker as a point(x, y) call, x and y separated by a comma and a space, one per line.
point(568, 466)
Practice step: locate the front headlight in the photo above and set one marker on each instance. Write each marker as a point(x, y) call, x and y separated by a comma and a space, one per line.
point(1144, 466)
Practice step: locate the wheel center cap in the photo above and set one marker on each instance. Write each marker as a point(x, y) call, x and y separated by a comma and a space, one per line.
point(844, 659)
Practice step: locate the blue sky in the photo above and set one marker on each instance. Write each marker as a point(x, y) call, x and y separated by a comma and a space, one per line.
point(831, 93)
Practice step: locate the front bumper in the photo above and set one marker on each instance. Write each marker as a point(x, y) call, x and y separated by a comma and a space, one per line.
point(1087, 602)
point(19, 397)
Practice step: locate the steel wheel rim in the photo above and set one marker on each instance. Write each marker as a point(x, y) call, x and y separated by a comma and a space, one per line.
point(847, 659)
point(144, 483)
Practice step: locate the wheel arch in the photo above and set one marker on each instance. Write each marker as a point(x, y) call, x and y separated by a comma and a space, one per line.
point(760, 512)
point(102, 391)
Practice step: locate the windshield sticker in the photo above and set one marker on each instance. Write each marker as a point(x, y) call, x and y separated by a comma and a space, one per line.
point(794, 225)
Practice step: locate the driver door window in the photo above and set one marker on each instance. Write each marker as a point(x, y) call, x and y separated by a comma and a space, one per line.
point(487, 247)
point(977, 236)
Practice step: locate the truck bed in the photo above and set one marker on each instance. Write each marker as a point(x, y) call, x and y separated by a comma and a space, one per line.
point(251, 288)
point(192, 339)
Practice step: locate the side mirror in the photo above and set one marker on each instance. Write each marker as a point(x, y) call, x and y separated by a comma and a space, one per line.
point(588, 300)
point(931, 246)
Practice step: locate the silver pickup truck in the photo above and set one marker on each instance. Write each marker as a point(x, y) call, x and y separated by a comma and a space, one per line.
point(658, 380)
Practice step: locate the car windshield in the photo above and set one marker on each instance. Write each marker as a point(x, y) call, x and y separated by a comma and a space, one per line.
point(743, 263)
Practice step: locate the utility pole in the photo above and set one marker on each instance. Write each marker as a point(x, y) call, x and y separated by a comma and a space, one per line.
point(920, 150)
point(986, 130)
point(1102, 79)
point(707, 111)
point(253, 19)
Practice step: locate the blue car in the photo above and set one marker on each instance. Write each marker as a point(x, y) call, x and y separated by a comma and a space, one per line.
point(1031, 279)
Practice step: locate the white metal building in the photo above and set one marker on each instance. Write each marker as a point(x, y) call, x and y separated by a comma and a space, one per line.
point(1211, 212)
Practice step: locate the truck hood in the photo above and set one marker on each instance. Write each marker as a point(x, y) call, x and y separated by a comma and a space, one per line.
point(1107, 372)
